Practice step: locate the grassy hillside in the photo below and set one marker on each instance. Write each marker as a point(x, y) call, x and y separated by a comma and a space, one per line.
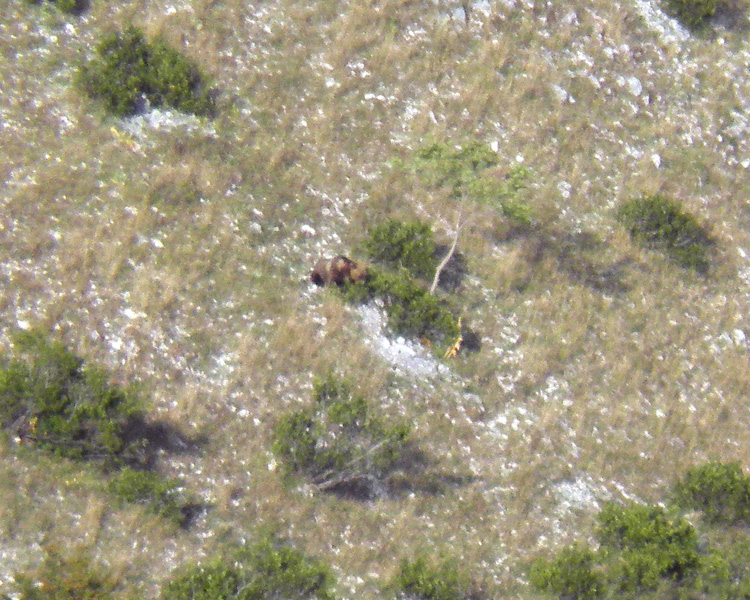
point(174, 251)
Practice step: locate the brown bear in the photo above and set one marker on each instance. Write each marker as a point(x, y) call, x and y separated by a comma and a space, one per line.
point(338, 270)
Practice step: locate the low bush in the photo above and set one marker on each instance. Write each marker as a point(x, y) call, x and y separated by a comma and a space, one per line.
point(161, 495)
point(127, 72)
point(268, 570)
point(72, 7)
point(337, 443)
point(648, 545)
point(65, 577)
point(421, 579)
point(403, 245)
point(692, 13)
point(571, 574)
point(661, 223)
point(721, 491)
point(50, 398)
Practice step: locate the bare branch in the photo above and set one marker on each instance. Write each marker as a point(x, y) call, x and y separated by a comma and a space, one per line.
point(448, 256)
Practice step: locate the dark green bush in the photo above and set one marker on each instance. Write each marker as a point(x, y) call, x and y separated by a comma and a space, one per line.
point(161, 495)
point(127, 70)
point(404, 245)
point(73, 7)
point(721, 491)
point(571, 574)
point(50, 398)
point(421, 579)
point(412, 311)
point(266, 571)
point(338, 440)
point(70, 576)
point(693, 13)
point(648, 545)
point(660, 223)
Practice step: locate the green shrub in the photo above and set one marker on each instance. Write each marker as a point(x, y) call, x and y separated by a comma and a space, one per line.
point(721, 491)
point(73, 7)
point(470, 171)
point(50, 398)
point(127, 70)
point(693, 13)
point(571, 574)
point(661, 223)
point(454, 167)
point(266, 571)
point(65, 577)
point(338, 440)
point(647, 545)
point(422, 580)
point(401, 245)
point(412, 311)
point(161, 495)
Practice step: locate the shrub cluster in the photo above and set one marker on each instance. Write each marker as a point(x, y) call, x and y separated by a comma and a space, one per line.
point(268, 570)
point(641, 549)
point(692, 13)
point(661, 223)
point(652, 552)
point(338, 442)
point(721, 491)
point(420, 579)
point(127, 71)
point(647, 545)
point(50, 398)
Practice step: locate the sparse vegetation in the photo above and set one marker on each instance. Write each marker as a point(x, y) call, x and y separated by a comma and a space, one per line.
point(661, 223)
point(471, 171)
point(721, 491)
point(51, 399)
point(268, 570)
point(174, 252)
point(66, 576)
point(127, 72)
point(338, 442)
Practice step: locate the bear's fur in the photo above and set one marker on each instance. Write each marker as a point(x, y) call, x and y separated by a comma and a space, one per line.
point(338, 270)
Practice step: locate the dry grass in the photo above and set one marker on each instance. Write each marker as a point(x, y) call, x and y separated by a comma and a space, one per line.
point(176, 252)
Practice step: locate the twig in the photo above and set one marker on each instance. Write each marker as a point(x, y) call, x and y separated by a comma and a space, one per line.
point(447, 257)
